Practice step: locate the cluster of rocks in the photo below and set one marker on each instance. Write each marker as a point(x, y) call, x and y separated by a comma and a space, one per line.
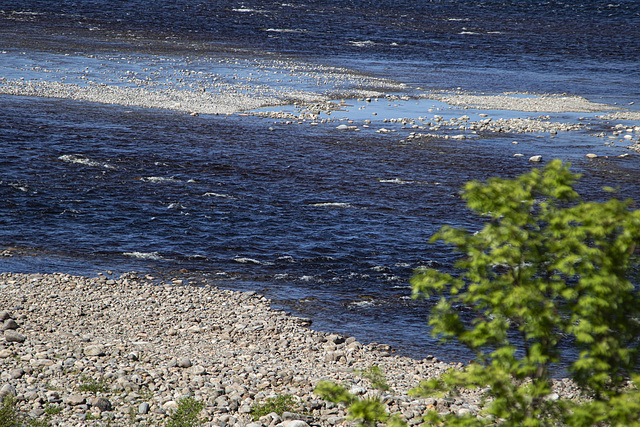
point(181, 85)
point(99, 351)
point(195, 102)
point(523, 102)
point(474, 129)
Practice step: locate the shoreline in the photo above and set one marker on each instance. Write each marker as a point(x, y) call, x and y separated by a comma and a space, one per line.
point(151, 345)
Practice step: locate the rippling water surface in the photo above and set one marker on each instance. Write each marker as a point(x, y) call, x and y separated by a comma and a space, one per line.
point(331, 224)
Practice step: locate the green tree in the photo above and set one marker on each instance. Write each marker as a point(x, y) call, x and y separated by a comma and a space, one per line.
point(546, 267)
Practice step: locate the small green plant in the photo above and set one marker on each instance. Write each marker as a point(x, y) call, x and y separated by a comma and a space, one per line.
point(9, 416)
point(90, 417)
point(52, 410)
point(280, 404)
point(132, 415)
point(375, 376)
point(186, 415)
point(92, 385)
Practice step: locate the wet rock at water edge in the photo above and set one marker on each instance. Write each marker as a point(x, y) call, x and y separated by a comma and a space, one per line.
point(535, 159)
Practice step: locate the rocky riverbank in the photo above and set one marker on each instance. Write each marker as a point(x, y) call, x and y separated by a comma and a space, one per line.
point(121, 351)
point(142, 346)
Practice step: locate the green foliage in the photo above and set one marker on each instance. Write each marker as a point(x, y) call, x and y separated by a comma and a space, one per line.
point(369, 411)
point(375, 377)
point(545, 267)
point(93, 386)
point(9, 413)
point(279, 404)
point(186, 415)
point(52, 410)
point(90, 417)
point(11, 417)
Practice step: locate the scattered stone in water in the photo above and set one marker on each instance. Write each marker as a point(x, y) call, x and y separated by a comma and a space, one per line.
point(535, 159)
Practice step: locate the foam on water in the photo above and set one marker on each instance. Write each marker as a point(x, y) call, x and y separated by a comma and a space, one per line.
point(81, 160)
point(144, 255)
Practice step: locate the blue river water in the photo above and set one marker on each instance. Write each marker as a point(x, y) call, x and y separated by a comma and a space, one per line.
point(329, 224)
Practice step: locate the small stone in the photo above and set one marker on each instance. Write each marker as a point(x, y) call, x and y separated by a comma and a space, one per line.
point(94, 350)
point(197, 370)
point(4, 315)
point(143, 408)
point(75, 400)
point(101, 403)
point(295, 423)
point(9, 324)
point(553, 396)
point(357, 390)
point(36, 412)
point(342, 127)
point(464, 411)
point(16, 373)
point(170, 404)
point(184, 362)
point(7, 389)
point(535, 159)
point(518, 155)
point(5, 352)
point(591, 156)
point(12, 336)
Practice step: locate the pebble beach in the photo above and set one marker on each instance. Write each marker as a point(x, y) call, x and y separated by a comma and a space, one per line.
point(149, 344)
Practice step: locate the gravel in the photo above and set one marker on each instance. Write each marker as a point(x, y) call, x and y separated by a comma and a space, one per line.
point(140, 346)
